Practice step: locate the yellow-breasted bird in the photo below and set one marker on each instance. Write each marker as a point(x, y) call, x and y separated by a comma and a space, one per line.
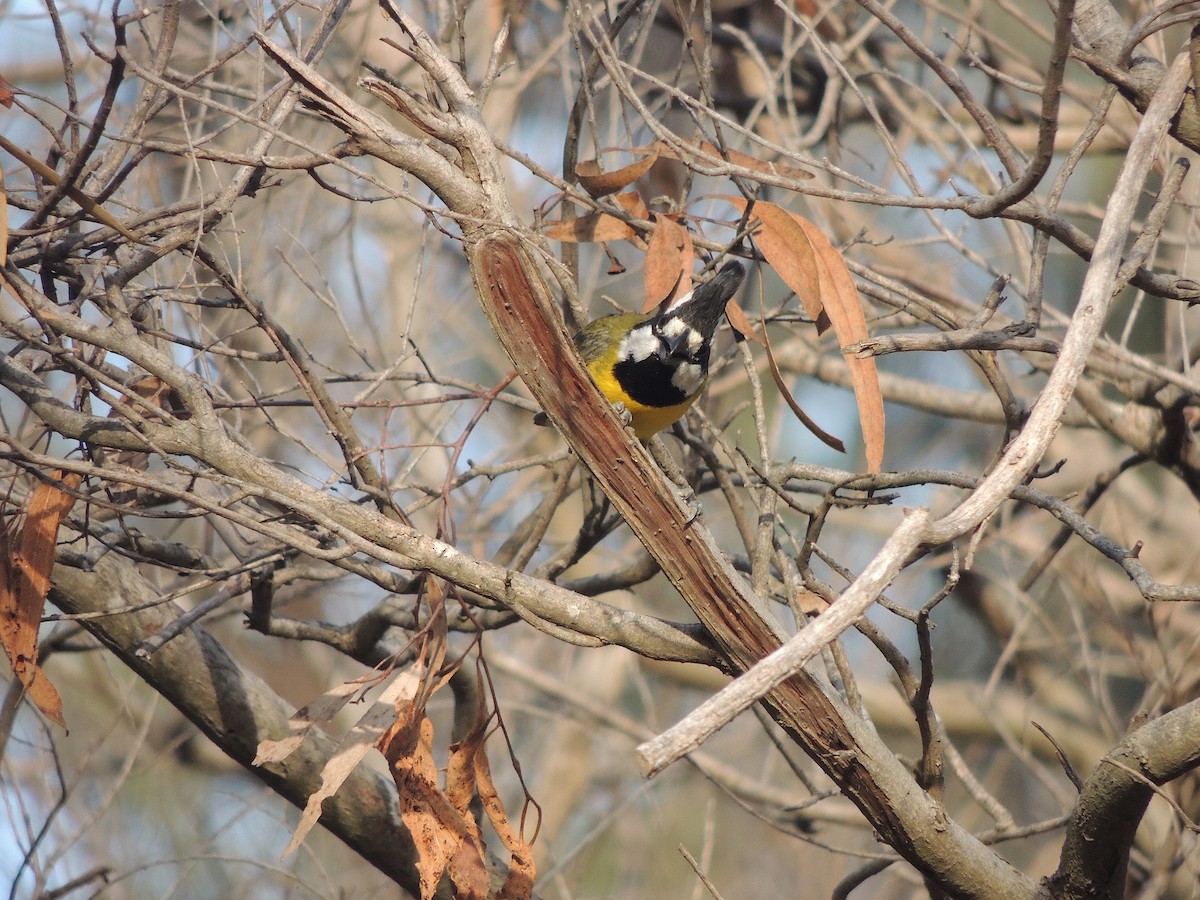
point(656, 365)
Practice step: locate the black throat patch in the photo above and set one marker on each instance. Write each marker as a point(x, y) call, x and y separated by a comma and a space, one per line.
point(648, 381)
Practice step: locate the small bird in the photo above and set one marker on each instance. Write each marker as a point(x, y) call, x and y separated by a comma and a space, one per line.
point(655, 365)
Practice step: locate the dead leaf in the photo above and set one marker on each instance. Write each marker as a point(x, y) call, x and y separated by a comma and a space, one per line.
point(787, 248)
point(356, 744)
point(668, 269)
point(812, 267)
point(445, 842)
point(600, 184)
point(319, 712)
point(632, 203)
point(820, 433)
point(28, 560)
point(158, 393)
point(741, 323)
point(845, 309)
point(590, 228)
point(811, 604)
point(7, 94)
point(86, 203)
point(460, 773)
point(521, 869)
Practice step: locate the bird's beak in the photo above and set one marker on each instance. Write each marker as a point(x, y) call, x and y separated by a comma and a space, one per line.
point(669, 346)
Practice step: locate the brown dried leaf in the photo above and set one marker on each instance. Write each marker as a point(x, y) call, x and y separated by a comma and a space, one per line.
point(632, 203)
point(820, 433)
point(787, 248)
point(845, 309)
point(46, 698)
point(444, 840)
point(521, 870)
point(741, 323)
point(811, 604)
point(668, 269)
point(808, 263)
point(695, 152)
point(86, 203)
point(367, 732)
point(318, 712)
point(29, 559)
point(158, 393)
point(590, 228)
point(7, 95)
point(600, 184)
point(460, 773)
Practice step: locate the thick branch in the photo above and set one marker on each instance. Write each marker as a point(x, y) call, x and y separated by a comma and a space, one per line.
point(236, 709)
point(1095, 854)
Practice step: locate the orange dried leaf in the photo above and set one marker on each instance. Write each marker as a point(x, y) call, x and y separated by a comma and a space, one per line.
point(811, 604)
point(741, 323)
point(668, 269)
point(590, 228)
point(844, 306)
point(787, 248)
point(632, 203)
point(600, 184)
point(46, 698)
point(807, 262)
point(157, 393)
point(443, 839)
point(460, 773)
point(820, 433)
point(522, 871)
point(29, 559)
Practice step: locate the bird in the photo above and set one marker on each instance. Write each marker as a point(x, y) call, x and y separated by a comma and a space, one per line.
point(656, 364)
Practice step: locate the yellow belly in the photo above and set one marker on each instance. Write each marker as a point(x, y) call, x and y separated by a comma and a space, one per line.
point(647, 420)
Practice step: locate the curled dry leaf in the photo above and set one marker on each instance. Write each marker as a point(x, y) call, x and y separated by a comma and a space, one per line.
point(589, 229)
point(319, 712)
point(834, 443)
point(469, 773)
point(632, 203)
point(787, 248)
point(27, 558)
point(667, 273)
point(447, 839)
point(356, 744)
point(600, 184)
point(741, 323)
point(812, 267)
point(521, 869)
point(600, 226)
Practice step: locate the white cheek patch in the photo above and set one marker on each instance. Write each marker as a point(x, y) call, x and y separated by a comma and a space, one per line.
point(688, 378)
point(676, 326)
point(639, 344)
